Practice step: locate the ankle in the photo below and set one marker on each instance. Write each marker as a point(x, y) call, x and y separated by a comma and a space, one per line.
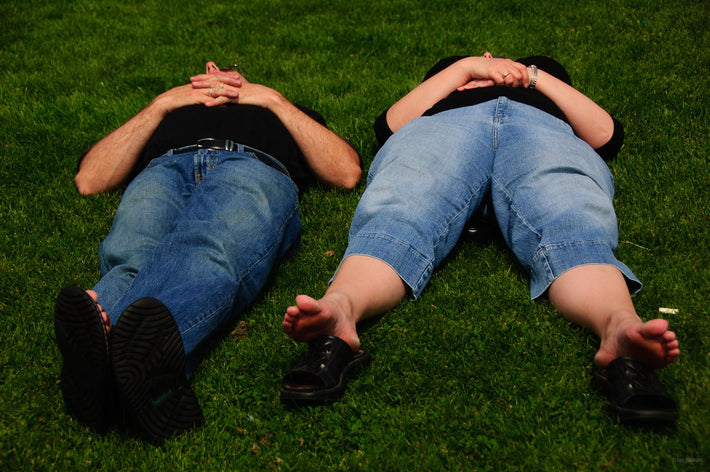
point(344, 319)
point(341, 304)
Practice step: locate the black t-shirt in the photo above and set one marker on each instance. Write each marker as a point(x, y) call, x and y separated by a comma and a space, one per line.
point(245, 124)
point(458, 99)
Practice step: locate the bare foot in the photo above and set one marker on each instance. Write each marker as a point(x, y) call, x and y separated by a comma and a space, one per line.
point(650, 342)
point(330, 316)
point(104, 315)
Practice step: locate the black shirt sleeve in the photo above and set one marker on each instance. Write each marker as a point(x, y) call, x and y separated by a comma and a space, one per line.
point(610, 149)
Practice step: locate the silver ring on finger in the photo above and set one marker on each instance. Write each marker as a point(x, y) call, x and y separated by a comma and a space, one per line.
point(209, 92)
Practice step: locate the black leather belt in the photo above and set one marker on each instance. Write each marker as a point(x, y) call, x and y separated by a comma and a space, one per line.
point(229, 145)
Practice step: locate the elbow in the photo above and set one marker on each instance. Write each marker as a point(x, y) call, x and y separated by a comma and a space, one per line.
point(353, 173)
point(82, 185)
point(86, 186)
point(351, 179)
point(600, 136)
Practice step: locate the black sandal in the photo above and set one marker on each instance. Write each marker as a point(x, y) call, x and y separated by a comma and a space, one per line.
point(636, 396)
point(320, 374)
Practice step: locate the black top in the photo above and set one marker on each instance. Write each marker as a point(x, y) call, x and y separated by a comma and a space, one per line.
point(458, 99)
point(245, 124)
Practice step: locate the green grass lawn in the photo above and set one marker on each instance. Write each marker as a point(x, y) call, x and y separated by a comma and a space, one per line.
point(473, 375)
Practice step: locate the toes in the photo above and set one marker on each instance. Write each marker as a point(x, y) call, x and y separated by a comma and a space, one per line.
point(289, 323)
point(292, 311)
point(307, 304)
point(669, 336)
point(654, 328)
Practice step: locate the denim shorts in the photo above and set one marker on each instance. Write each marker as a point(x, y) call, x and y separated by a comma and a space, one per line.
point(551, 192)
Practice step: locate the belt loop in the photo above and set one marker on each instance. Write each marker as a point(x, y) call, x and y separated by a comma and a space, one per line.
point(240, 147)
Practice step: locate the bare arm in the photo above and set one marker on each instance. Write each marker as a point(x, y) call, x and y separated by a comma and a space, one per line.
point(588, 120)
point(471, 71)
point(110, 160)
point(329, 156)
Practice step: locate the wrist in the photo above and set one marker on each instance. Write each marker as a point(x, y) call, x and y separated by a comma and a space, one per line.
point(473, 68)
point(273, 100)
point(160, 106)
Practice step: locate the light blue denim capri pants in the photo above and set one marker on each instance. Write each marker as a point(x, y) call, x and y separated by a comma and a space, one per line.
point(552, 194)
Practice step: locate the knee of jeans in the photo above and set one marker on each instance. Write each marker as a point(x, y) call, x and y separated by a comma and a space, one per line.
point(291, 240)
point(125, 253)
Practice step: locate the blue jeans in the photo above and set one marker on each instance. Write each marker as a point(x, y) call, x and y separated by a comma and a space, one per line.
point(552, 194)
point(200, 231)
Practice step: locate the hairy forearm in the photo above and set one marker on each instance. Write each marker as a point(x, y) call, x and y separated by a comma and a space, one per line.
point(329, 156)
point(110, 161)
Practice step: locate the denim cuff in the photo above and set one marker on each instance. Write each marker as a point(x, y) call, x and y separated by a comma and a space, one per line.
point(552, 261)
point(412, 267)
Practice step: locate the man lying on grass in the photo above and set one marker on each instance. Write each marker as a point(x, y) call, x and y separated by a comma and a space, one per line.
point(213, 169)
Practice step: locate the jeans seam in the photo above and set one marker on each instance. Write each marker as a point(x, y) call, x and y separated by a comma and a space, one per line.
point(241, 276)
point(513, 209)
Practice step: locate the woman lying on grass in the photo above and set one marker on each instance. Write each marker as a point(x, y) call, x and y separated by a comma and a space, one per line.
point(517, 134)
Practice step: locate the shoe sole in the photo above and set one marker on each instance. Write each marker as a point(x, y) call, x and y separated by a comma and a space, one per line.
point(149, 369)
point(85, 380)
